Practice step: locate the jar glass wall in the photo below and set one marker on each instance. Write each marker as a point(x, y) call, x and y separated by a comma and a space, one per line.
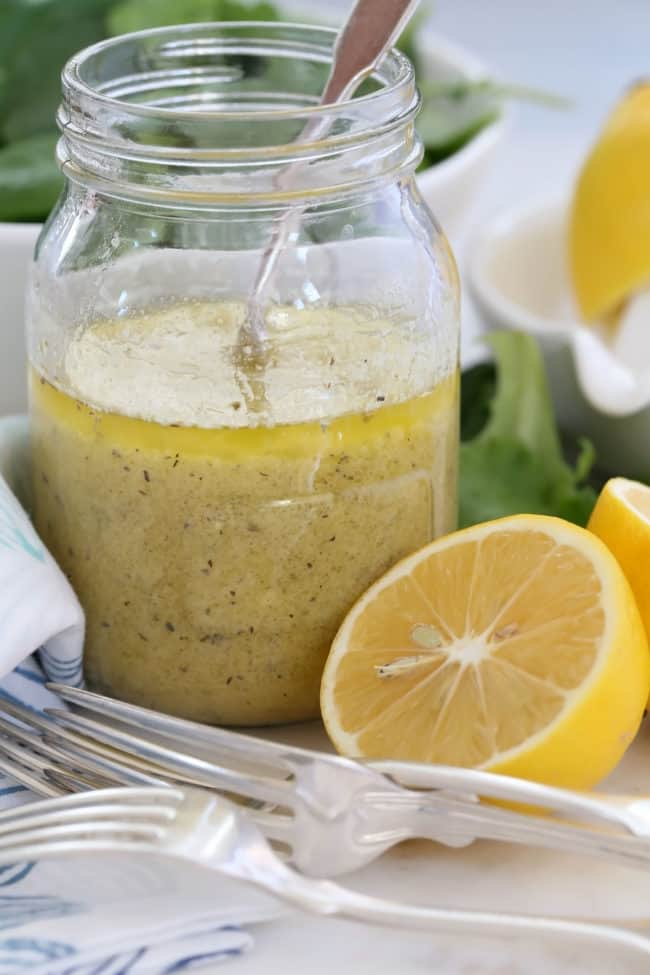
point(219, 496)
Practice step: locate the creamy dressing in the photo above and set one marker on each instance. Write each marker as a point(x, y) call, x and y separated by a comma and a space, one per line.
point(215, 549)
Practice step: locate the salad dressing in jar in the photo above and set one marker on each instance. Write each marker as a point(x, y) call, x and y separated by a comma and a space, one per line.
point(219, 512)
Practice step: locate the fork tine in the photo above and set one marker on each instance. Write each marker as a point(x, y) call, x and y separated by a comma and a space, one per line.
point(45, 725)
point(28, 762)
point(34, 817)
point(120, 843)
point(107, 769)
point(71, 781)
point(162, 797)
point(260, 788)
point(237, 745)
point(35, 781)
point(116, 819)
point(52, 832)
point(129, 770)
point(155, 759)
point(81, 772)
point(29, 766)
point(26, 714)
point(49, 729)
point(34, 759)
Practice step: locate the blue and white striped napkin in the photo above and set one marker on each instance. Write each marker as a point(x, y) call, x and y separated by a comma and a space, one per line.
point(101, 916)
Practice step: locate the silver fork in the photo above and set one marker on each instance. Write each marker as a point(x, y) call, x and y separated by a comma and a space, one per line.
point(206, 829)
point(331, 814)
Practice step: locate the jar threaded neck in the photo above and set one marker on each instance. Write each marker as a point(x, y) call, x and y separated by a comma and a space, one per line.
point(208, 112)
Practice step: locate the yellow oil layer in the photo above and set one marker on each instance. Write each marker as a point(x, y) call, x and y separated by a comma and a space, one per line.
point(215, 565)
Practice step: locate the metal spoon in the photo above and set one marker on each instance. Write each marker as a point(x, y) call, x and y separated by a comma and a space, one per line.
point(371, 29)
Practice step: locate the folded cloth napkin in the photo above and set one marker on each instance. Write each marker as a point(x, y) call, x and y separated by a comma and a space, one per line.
point(79, 916)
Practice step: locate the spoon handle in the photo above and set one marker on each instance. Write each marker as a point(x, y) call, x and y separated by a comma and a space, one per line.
point(370, 30)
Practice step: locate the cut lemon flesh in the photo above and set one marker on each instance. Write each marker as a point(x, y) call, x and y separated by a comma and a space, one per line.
point(515, 646)
point(621, 519)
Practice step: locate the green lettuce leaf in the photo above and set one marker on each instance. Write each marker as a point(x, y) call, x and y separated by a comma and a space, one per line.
point(511, 458)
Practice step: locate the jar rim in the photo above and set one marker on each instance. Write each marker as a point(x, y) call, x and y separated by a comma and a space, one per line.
point(73, 80)
point(202, 108)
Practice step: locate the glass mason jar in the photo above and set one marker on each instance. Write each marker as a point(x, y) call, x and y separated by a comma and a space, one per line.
point(221, 485)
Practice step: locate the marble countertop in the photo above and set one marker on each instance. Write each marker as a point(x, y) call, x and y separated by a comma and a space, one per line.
point(484, 876)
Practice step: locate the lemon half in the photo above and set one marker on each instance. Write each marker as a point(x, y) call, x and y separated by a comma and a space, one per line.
point(514, 646)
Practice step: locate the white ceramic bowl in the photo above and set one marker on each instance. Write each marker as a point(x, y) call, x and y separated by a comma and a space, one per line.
point(518, 273)
point(450, 186)
point(17, 242)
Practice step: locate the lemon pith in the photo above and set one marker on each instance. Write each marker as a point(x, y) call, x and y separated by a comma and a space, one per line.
point(515, 646)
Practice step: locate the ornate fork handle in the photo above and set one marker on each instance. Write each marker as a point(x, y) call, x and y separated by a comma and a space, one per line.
point(620, 830)
point(325, 897)
point(391, 818)
point(631, 813)
point(344, 813)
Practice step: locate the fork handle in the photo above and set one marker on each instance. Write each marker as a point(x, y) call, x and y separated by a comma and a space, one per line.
point(492, 823)
point(325, 897)
point(389, 818)
point(630, 813)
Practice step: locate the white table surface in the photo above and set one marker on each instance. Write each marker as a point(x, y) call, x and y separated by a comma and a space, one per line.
point(484, 876)
point(589, 50)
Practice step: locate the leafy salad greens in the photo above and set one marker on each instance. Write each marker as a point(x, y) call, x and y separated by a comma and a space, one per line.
point(38, 36)
point(511, 457)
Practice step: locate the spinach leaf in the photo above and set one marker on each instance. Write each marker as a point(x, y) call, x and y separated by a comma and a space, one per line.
point(36, 39)
point(478, 388)
point(452, 114)
point(38, 36)
point(30, 180)
point(131, 15)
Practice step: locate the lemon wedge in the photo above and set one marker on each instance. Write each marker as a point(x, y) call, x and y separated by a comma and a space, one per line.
point(514, 646)
point(609, 224)
point(621, 519)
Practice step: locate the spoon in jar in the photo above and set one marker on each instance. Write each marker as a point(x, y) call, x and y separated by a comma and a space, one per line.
point(371, 29)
